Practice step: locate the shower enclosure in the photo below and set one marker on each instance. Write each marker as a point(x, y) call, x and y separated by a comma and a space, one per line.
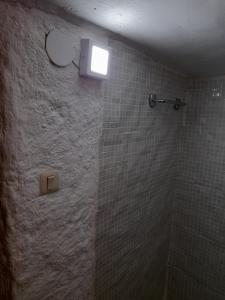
point(161, 209)
point(140, 213)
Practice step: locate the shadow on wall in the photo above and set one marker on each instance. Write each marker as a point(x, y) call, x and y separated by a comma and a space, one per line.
point(6, 274)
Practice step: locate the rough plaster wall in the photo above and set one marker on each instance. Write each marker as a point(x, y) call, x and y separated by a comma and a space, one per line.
point(197, 256)
point(57, 124)
point(6, 163)
point(137, 164)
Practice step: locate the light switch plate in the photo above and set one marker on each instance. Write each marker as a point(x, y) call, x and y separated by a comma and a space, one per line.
point(49, 182)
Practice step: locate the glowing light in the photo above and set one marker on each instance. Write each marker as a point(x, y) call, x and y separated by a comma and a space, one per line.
point(99, 60)
point(94, 60)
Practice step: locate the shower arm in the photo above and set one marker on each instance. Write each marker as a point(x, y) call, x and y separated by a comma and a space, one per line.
point(177, 103)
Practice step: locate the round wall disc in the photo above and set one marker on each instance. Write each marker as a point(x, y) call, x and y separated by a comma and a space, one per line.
point(60, 48)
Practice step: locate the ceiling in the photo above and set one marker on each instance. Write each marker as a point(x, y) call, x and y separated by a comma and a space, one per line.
point(187, 33)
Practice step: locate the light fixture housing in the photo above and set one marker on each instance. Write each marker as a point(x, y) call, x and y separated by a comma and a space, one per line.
point(94, 60)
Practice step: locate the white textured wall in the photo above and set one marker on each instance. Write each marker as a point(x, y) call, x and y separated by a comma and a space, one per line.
point(57, 123)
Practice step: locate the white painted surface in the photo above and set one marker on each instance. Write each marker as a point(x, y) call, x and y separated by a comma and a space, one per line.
point(57, 123)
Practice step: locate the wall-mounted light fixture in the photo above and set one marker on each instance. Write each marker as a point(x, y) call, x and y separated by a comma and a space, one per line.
point(94, 60)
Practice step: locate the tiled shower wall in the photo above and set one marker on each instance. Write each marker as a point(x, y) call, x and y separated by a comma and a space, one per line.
point(137, 165)
point(197, 256)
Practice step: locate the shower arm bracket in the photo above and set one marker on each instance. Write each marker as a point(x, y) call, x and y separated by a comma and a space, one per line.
point(177, 103)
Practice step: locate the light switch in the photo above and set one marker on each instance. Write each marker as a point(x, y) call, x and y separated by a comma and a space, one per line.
point(49, 182)
point(52, 183)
